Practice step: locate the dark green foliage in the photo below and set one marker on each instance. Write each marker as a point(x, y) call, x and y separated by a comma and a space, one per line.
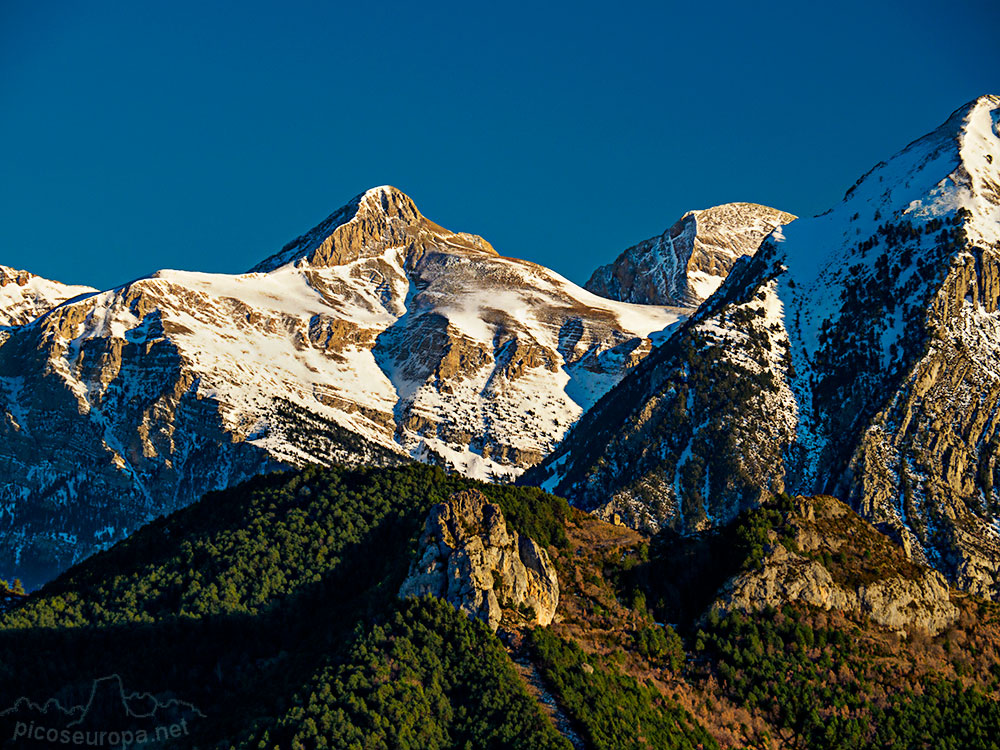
point(661, 646)
point(946, 716)
point(428, 678)
point(764, 662)
point(832, 694)
point(681, 575)
point(271, 607)
point(752, 530)
point(854, 372)
point(532, 512)
point(16, 588)
point(327, 442)
point(824, 686)
point(242, 549)
point(612, 709)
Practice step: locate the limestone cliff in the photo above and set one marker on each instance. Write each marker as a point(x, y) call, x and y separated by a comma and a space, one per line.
point(829, 557)
point(688, 262)
point(468, 556)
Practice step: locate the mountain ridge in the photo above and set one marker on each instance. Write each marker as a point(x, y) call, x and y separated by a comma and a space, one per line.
point(25, 296)
point(270, 614)
point(688, 262)
point(787, 375)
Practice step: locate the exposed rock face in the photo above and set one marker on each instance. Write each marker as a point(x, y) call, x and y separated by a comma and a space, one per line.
point(897, 603)
point(467, 556)
point(24, 296)
point(688, 262)
point(856, 353)
point(377, 337)
point(366, 227)
point(888, 589)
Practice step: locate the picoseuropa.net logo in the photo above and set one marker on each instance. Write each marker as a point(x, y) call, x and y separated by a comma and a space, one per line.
point(111, 717)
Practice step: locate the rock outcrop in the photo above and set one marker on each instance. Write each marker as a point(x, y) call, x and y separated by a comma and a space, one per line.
point(468, 557)
point(897, 603)
point(830, 558)
point(687, 263)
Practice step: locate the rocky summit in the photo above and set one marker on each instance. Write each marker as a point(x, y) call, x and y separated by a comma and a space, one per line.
point(828, 557)
point(687, 263)
point(856, 354)
point(468, 557)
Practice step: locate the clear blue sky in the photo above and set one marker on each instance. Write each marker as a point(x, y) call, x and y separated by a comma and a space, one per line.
point(204, 135)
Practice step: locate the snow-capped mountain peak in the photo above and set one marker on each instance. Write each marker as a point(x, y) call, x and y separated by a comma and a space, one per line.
point(688, 262)
point(377, 336)
point(856, 353)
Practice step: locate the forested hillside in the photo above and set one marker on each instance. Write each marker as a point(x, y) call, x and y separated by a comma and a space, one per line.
point(266, 616)
point(253, 595)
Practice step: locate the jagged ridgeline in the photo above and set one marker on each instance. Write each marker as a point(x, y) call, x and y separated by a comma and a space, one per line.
point(267, 616)
point(856, 353)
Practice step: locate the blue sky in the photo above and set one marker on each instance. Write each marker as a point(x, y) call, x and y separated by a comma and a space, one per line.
point(203, 136)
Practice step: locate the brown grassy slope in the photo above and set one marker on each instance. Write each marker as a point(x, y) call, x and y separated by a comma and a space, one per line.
point(607, 617)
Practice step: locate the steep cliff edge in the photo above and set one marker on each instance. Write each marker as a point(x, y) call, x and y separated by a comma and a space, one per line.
point(687, 263)
point(468, 557)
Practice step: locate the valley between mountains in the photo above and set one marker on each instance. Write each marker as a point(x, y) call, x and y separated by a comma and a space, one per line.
point(390, 488)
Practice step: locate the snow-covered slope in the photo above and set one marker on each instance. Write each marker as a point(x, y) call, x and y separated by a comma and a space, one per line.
point(688, 262)
point(378, 336)
point(856, 353)
point(24, 296)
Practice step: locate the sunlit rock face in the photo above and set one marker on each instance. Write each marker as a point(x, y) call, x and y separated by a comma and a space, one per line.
point(835, 560)
point(25, 296)
point(687, 263)
point(468, 557)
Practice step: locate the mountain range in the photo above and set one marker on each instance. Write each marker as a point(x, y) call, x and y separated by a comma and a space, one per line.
point(745, 499)
point(854, 353)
